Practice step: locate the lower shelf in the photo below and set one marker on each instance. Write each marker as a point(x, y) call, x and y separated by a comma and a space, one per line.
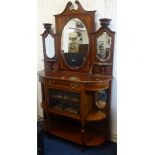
point(71, 131)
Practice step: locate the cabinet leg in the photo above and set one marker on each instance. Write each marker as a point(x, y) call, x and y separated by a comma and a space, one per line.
point(107, 140)
point(83, 135)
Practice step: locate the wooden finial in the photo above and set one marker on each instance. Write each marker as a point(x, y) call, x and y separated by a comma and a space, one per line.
point(47, 26)
point(104, 22)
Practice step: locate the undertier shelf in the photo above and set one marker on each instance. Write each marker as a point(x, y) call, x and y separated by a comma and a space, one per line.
point(72, 132)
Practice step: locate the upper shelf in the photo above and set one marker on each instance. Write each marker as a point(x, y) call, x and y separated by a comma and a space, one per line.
point(102, 64)
point(49, 60)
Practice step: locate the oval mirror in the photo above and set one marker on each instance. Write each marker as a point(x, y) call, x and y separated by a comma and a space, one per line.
point(100, 99)
point(74, 43)
point(103, 47)
point(49, 46)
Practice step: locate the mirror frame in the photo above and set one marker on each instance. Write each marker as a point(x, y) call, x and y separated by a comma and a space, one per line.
point(92, 64)
point(87, 18)
point(47, 32)
point(97, 34)
point(48, 62)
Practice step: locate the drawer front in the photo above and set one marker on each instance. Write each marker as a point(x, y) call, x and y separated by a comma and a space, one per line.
point(97, 86)
point(64, 84)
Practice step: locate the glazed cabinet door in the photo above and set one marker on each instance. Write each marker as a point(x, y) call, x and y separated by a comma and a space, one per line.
point(65, 100)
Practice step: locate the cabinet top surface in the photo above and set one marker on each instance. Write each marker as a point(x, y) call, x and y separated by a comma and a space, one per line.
point(74, 76)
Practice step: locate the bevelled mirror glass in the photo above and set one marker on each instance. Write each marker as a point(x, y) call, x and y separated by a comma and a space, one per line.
point(100, 99)
point(103, 47)
point(74, 43)
point(49, 46)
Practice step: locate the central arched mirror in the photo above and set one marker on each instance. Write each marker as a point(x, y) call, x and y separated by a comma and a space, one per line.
point(74, 43)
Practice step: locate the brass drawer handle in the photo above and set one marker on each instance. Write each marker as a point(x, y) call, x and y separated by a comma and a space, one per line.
point(73, 85)
point(51, 82)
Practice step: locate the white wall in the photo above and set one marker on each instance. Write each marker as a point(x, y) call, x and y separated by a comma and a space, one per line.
point(105, 8)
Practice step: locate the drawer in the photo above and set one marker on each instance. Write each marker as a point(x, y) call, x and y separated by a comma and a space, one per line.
point(97, 86)
point(64, 84)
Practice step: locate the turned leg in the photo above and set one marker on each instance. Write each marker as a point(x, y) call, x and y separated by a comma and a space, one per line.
point(83, 138)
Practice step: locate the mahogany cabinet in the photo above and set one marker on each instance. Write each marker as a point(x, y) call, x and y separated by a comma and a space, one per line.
point(76, 81)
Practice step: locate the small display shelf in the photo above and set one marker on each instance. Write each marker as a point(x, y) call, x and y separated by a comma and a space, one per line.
point(96, 115)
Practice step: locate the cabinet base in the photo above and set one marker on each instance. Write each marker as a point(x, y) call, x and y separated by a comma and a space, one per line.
point(72, 132)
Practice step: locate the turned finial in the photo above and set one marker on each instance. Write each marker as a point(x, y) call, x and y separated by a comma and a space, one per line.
point(47, 26)
point(105, 22)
